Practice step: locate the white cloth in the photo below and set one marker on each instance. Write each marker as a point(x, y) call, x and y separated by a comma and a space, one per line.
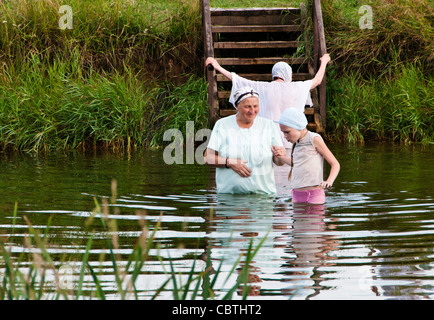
point(275, 97)
point(244, 93)
point(282, 70)
point(252, 145)
point(293, 118)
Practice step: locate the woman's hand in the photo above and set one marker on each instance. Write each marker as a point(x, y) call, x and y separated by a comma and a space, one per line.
point(212, 61)
point(325, 58)
point(218, 67)
point(279, 153)
point(239, 167)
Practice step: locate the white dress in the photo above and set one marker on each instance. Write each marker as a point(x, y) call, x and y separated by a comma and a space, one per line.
point(249, 144)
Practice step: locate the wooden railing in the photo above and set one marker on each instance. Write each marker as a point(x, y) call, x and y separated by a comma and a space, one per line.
point(319, 49)
point(209, 52)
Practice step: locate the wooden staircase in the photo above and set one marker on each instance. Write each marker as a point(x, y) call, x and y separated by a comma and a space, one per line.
point(250, 41)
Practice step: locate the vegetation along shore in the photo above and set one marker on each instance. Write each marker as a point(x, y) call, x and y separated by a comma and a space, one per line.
point(129, 70)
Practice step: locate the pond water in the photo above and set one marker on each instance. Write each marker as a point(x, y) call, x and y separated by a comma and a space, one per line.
point(373, 239)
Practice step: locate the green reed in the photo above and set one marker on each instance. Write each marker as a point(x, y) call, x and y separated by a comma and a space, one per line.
point(401, 33)
point(103, 83)
point(399, 109)
point(51, 109)
point(153, 37)
point(380, 85)
point(25, 275)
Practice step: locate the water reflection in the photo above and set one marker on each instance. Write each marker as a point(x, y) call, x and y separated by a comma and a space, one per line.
point(295, 245)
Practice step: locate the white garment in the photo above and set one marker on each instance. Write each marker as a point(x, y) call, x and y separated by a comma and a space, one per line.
point(282, 70)
point(275, 97)
point(252, 145)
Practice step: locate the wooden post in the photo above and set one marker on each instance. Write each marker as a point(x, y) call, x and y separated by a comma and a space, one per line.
point(209, 52)
point(319, 50)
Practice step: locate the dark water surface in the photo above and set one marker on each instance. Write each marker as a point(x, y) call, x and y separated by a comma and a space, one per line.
point(373, 239)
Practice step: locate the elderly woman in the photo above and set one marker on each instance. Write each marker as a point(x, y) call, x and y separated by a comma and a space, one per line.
point(241, 148)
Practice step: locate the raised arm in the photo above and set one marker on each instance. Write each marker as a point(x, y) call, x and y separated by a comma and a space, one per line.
point(316, 81)
point(218, 67)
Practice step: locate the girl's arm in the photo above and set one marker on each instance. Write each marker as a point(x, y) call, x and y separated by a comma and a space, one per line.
point(279, 156)
point(218, 67)
point(321, 147)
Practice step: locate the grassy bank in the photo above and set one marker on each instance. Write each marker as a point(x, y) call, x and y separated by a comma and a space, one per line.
point(46, 108)
point(129, 70)
point(125, 72)
point(380, 85)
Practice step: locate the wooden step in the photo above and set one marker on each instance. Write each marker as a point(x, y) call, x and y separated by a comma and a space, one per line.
point(318, 125)
point(256, 28)
point(256, 44)
point(255, 16)
point(265, 76)
point(257, 61)
point(251, 12)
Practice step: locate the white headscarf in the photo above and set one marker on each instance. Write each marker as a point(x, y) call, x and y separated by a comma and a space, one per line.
point(244, 93)
point(293, 118)
point(283, 71)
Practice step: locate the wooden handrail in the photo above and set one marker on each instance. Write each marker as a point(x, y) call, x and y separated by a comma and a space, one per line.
point(319, 49)
point(209, 51)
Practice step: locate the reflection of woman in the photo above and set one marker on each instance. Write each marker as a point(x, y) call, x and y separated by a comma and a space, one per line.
point(292, 243)
point(240, 148)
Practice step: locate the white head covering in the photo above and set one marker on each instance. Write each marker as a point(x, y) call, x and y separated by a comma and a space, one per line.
point(293, 118)
point(283, 71)
point(244, 93)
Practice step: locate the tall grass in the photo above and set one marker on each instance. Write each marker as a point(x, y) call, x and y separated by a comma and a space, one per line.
point(154, 38)
point(402, 32)
point(398, 109)
point(380, 86)
point(111, 81)
point(48, 108)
